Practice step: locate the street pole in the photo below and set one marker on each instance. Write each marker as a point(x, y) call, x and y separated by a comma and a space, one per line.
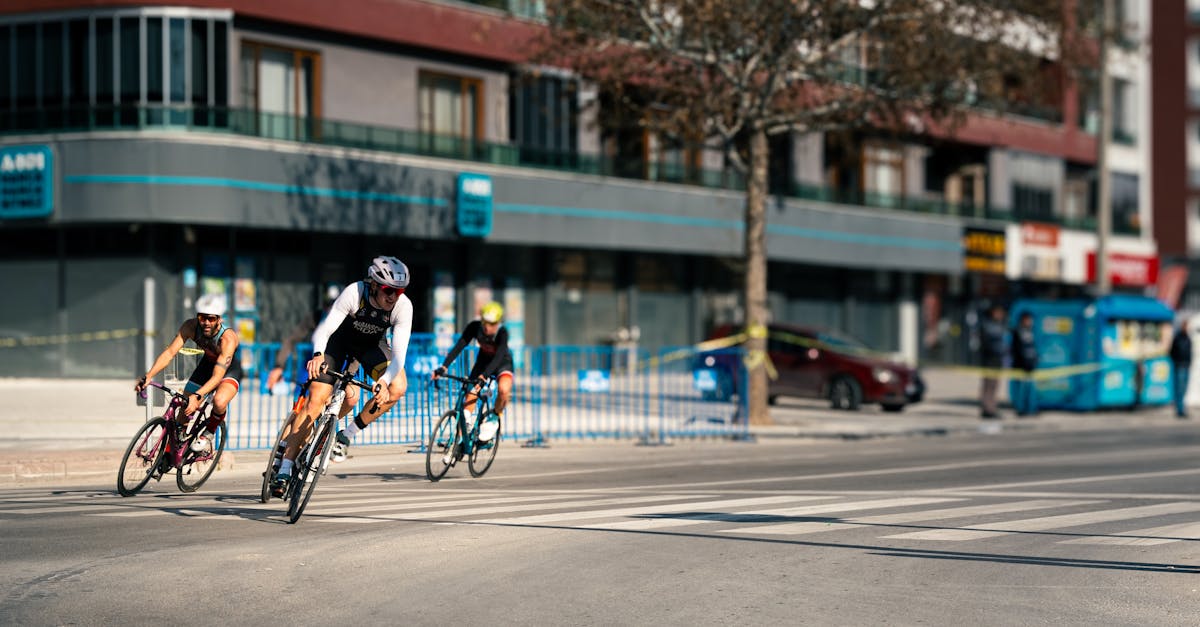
point(1104, 183)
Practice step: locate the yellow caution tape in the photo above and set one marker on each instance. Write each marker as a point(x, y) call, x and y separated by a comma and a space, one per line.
point(69, 338)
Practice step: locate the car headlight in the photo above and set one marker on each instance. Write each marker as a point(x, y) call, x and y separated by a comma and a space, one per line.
point(883, 375)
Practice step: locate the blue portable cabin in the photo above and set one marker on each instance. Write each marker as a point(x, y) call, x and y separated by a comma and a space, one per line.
point(1107, 348)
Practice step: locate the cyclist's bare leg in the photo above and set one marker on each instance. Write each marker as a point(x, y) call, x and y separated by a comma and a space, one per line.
point(351, 401)
point(318, 395)
point(504, 391)
point(222, 396)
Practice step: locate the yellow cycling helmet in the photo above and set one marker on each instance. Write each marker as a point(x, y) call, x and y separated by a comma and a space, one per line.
point(492, 312)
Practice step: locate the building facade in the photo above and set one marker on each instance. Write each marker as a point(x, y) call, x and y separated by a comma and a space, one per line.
point(269, 149)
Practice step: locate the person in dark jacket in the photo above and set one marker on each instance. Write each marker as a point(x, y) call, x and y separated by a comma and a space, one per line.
point(1025, 359)
point(1181, 360)
point(993, 353)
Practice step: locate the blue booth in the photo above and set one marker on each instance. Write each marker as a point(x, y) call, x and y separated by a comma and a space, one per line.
point(1110, 351)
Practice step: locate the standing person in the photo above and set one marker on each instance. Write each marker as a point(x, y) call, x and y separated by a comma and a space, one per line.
point(1025, 359)
point(219, 370)
point(1181, 360)
point(495, 359)
point(993, 352)
point(356, 328)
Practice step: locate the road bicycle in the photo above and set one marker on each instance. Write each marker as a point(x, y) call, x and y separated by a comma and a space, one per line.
point(450, 440)
point(164, 444)
point(313, 459)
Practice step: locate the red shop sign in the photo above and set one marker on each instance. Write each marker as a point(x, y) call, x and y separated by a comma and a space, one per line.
point(1125, 269)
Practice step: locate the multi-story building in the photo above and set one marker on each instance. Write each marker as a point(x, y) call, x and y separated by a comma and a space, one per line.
point(269, 149)
point(1176, 138)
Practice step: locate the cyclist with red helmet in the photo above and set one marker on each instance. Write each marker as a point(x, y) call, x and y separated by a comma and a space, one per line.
point(219, 370)
point(356, 328)
point(495, 360)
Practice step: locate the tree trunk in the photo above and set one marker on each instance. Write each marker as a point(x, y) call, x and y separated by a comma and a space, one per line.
point(756, 281)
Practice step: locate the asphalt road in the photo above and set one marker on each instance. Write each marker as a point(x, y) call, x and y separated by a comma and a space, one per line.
point(1065, 528)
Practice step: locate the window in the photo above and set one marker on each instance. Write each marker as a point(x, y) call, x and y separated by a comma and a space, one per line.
point(1124, 128)
point(544, 114)
point(449, 113)
point(883, 175)
point(282, 86)
point(1125, 215)
point(113, 68)
point(1032, 202)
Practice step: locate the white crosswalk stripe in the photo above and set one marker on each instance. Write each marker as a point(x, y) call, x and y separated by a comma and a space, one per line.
point(1046, 523)
point(798, 528)
point(1145, 537)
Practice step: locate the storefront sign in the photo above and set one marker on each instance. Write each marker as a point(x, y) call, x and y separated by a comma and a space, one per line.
point(474, 205)
point(1126, 269)
point(983, 251)
point(1038, 234)
point(26, 181)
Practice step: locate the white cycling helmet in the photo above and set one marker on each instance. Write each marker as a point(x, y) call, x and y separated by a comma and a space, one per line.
point(211, 304)
point(388, 271)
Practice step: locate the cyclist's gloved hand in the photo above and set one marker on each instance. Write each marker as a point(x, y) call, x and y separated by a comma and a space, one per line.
point(140, 385)
point(439, 371)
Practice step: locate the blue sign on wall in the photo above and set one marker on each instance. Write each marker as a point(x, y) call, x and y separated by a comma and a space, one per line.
point(474, 205)
point(26, 181)
point(594, 381)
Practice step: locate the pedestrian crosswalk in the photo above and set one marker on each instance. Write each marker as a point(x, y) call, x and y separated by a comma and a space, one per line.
point(921, 518)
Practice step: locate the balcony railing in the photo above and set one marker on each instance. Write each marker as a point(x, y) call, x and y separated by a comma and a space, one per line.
point(407, 141)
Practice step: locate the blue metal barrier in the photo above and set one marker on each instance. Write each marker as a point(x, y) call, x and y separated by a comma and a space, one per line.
point(559, 392)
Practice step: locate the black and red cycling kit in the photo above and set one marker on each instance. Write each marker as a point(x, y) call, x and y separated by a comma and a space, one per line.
point(495, 359)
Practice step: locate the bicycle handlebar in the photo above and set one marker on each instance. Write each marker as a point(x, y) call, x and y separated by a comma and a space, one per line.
point(348, 378)
point(482, 381)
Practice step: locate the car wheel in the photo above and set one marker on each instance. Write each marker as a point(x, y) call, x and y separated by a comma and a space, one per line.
point(895, 409)
point(845, 393)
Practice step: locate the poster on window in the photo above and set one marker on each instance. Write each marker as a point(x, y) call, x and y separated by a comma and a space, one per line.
point(443, 311)
point(514, 319)
point(243, 295)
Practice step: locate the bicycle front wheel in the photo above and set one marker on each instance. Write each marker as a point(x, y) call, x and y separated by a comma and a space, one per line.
point(484, 453)
point(198, 466)
point(273, 460)
point(142, 457)
point(443, 446)
point(312, 464)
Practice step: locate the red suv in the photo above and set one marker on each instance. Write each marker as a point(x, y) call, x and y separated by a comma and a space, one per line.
point(818, 363)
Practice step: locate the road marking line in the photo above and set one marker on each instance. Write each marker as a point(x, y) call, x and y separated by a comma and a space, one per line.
point(457, 512)
point(1145, 537)
point(699, 507)
point(990, 530)
point(799, 528)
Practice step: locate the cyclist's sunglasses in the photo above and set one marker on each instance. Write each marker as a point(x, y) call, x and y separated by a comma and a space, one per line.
point(391, 290)
point(208, 318)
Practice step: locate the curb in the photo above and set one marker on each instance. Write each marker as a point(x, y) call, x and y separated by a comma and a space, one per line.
point(55, 465)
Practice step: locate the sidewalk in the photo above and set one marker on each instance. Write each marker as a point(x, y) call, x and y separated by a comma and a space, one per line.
point(56, 429)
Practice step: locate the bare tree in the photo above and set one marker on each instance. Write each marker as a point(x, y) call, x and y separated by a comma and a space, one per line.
point(731, 73)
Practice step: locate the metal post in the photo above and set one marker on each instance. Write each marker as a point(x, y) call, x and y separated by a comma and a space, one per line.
point(148, 335)
point(1104, 184)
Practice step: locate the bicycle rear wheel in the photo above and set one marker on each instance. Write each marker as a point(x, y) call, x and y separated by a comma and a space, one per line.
point(315, 459)
point(484, 453)
point(142, 457)
point(273, 460)
point(443, 445)
point(197, 467)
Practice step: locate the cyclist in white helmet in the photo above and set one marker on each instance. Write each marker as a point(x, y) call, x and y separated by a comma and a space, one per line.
point(219, 370)
point(356, 328)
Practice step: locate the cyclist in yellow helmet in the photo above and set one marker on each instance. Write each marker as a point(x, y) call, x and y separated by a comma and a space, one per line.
point(495, 360)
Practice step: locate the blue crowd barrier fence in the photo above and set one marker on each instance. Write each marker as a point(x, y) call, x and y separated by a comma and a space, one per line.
point(559, 392)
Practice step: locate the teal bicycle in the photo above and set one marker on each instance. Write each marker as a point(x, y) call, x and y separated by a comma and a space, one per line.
point(451, 440)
